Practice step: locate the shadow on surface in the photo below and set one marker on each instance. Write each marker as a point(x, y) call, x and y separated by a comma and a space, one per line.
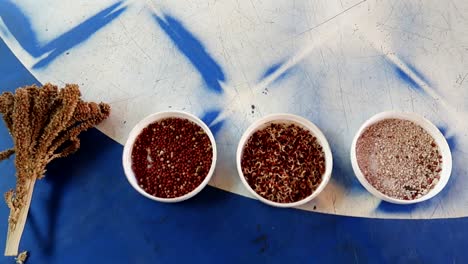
point(60, 173)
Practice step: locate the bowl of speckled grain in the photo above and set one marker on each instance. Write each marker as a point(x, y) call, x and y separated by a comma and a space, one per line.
point(401, 157)
point(284, 160)
point(169, 156)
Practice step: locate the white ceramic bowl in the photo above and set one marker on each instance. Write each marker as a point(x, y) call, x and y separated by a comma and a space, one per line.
point(288, 119)
point(426, 125)
point(127, 153)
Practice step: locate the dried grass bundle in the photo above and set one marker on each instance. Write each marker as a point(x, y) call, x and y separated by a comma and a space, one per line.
point(44, 123)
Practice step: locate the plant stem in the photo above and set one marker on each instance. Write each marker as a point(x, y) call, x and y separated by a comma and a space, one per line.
point(16, 230)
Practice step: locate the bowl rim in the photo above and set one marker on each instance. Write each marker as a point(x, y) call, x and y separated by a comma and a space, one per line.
point(137, 129)
point(302, 122)
point(430, 128)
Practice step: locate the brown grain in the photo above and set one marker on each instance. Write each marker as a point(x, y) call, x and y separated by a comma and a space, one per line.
point(283, 163)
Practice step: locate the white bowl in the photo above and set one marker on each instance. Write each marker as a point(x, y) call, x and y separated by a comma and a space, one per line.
point(426, 125)
point(127, 153)
point(288, 119)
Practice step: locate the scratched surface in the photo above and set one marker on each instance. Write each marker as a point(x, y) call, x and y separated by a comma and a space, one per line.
point(333, 62)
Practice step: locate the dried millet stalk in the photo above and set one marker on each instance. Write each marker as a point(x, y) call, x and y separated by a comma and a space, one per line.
point(44, 124)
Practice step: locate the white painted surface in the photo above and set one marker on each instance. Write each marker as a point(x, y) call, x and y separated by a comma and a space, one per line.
point(339, 57)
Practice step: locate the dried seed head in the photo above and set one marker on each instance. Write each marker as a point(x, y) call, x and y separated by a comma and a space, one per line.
point(40, 121)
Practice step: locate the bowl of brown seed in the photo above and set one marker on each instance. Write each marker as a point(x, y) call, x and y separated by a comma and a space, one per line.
point(169, 156)
point(401, 158)
point(284, 160)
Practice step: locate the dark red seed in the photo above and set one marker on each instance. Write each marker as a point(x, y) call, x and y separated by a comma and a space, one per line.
point(169, 174)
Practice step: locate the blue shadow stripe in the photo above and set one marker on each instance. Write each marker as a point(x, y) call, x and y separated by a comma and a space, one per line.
point(193, 49)
point(405, 77)
point(272, 69)
point(79, 34)
point(20, 27)
point(209, 117)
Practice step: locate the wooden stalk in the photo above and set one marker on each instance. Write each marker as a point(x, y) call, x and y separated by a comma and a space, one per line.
point(15, 230)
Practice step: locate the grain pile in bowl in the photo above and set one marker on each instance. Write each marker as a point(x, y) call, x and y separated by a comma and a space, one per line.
point(283, 163)
point(171, 157)
point(399, 158)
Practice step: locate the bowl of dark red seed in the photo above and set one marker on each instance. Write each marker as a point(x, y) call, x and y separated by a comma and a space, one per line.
point(284, 160)
point(401, 158)
point(169, 156)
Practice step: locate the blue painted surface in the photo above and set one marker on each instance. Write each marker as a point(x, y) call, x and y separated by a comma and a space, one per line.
point(418, 73)
point(12, 72)
point(407, 78)
point(456, 176)
point(272, 69)
point(216, 127)
point(79, 33)
point(451, 140)
point(341, 169)
point(20, 27)
point(192, 48)
point(209, 117)
point(395, 208)
point(84, 211)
